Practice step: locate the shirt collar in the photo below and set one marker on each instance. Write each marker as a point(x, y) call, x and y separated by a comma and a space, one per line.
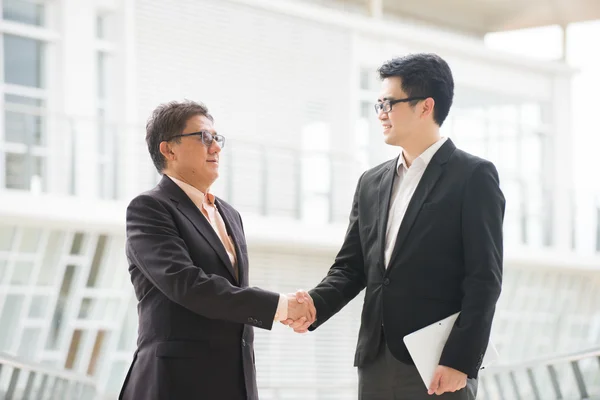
point(424, 158)
point(197, 196)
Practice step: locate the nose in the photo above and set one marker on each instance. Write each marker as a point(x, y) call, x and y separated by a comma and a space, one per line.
point(382, 115)
point(214, 148)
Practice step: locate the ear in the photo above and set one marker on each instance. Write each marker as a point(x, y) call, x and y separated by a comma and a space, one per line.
point(427, 107)
point(167, 151)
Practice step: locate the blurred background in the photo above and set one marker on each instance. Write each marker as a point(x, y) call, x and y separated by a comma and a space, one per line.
point(291, 84)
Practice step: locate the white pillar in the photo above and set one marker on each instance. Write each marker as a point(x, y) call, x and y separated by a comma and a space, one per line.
point(562, 166)
point(78, 89)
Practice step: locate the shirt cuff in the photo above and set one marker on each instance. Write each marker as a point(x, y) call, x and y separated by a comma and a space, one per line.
point(282, 308)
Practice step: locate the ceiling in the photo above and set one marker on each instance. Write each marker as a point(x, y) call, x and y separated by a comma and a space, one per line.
point(482, 16)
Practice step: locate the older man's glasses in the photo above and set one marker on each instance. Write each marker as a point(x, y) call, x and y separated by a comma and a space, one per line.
point(207, 138)
point(386, 105)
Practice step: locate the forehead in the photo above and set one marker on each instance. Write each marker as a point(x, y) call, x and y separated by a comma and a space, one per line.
point(391, 88)
point(198, 123)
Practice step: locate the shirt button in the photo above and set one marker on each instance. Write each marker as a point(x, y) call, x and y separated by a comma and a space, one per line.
point(386, 281)
point(243, 342)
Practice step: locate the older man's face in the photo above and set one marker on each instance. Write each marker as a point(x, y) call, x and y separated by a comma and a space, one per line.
point(195, 161)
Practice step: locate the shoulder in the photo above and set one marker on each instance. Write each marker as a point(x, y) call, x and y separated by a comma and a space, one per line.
point(376, 172)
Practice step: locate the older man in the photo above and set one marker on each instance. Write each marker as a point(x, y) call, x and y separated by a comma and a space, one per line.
point(189, 267)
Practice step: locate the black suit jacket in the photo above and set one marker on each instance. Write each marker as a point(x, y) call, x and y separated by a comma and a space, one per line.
point(447, 258)
point(195, 339)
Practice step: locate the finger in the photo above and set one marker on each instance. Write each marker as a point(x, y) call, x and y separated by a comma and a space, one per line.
point(435, 383)
point(299, 322)
point(300, 296)
point(442, 388)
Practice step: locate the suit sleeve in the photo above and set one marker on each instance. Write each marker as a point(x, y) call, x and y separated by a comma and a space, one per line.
point(155, 247)
point(346, 277)
point(482, 218)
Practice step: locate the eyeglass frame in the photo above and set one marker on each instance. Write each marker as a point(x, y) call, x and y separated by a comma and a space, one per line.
point(379, 106)
point(201, 134)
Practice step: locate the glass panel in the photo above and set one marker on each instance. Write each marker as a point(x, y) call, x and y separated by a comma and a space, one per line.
point(365, 79)
point(23, 121)
point(7, 234)
point(73, 349)
point(30, 240)
point(129, 331)
point(96, 352)
point(116, 377)
point(77, 245)
point(9, 319)
point(22, 273)
point(17, 171)
point(3, 267)
point(28, 345)
point(84, 310)
point(24, 171)
point(27, 12)
point(38, 307)
point(100, 26)
point(23, 61)
point(101, 66)
point(51, 260)
point(61, 304)
point(97, 261)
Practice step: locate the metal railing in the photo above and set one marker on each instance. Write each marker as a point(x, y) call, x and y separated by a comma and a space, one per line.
point(568, 376)
point(22, 380)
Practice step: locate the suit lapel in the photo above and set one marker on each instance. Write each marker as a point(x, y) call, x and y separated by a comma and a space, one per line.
point(385, 192)
point(236, 238)
point(191, 212)
point(426, 184)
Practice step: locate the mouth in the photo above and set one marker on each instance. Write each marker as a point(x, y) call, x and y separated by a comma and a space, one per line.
point(386, 127)
point(213, 161)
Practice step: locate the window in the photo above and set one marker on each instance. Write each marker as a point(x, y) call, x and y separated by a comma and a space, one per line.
point(23, 11)
point(23, 61)
point(106, 132)
point(23, 141)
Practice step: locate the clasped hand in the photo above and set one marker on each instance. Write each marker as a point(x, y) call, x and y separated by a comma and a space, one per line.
point(301, 311)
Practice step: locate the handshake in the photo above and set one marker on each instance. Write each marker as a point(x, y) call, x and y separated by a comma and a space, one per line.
point(301, 311)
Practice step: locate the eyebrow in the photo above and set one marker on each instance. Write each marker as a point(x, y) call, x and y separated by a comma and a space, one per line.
point(385, 98)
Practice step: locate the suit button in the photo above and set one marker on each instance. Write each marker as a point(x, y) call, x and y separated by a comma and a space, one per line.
point(386, 281)
point(259, 323)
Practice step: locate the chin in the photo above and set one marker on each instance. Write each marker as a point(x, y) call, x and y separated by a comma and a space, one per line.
point(391, 140)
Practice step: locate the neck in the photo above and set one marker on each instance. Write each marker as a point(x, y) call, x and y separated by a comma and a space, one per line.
point(415, 148)
point(174, 174)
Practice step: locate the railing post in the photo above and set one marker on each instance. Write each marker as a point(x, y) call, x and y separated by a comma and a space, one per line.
point(13, 384)
point(513, 380)
point(579, 379)
point(533, 384)
point(554, 379)
point(499, 385)
point(29, 385)
point(41, 392)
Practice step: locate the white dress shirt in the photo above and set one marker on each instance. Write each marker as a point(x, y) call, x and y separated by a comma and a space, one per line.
point(405, 184)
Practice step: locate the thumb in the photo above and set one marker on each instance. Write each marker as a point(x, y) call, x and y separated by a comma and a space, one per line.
point(300, 296)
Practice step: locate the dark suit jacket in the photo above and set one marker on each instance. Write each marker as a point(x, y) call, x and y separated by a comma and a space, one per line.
point(447, 258)
point(195, 339)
